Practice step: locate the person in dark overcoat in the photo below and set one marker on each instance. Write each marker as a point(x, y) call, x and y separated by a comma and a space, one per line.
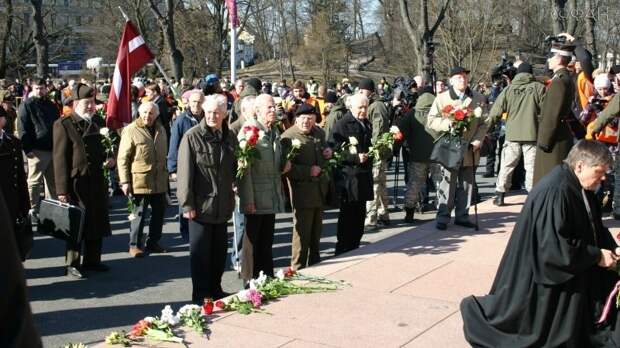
point(79, 160)
point(555, 137)
point(353, 134)
point(14, 185)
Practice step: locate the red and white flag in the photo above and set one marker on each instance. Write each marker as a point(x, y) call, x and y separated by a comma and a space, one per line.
point(133, 55)
point(232, 12)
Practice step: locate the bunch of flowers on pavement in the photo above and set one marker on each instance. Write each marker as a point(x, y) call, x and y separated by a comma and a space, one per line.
point(247, 151)
point(162, 328)
point(461, 118)
point(384, 145)
point(264, 289)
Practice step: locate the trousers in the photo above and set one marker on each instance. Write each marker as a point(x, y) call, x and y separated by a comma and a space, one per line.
point(208, 245)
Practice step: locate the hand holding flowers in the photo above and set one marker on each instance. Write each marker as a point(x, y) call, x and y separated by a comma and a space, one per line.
point(247, 150)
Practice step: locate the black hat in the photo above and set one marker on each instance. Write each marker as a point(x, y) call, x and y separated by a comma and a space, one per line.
point(524, 68)
point(458, 70)
point(331, 97)
point(614, 69)
point(305, 109)
point(254, 82)
point(82, 91)
point(563, 49)
point(367, 84)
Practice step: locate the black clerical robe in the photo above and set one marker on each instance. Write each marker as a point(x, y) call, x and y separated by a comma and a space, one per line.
point(549, 290)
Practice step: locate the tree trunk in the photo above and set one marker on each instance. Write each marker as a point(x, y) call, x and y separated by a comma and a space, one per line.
point(6, 36)
point(558, 14)
point(39, 38)
point(590, 31)
point(166, 23)
point(287, 43)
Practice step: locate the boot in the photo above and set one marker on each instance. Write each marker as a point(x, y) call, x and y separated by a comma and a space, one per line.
point(409, 215)
point(499, 199)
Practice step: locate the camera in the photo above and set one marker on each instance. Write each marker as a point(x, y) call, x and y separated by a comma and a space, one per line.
point(503, 71)
point(551, 39)
point(598, 104)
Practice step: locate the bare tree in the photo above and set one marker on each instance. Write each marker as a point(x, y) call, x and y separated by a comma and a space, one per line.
point(40, 40)
point(166, 25)
point(590, 28)
point(6, 36)
point(422, 38)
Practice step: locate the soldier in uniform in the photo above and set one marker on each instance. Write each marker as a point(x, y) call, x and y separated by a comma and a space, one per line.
point(79, 159)
point(308, 187)
point(14, 186)
point(377, 210)
point(555, 137)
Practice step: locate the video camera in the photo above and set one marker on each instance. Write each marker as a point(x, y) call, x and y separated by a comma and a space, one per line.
point(551, 39)
point(598, 104)
point(503, 72)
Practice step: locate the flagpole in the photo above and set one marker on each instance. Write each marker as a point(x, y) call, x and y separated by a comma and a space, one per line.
point(161, 70)
point(233, 53)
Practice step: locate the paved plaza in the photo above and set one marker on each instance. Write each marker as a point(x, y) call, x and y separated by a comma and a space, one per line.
point(406, 282)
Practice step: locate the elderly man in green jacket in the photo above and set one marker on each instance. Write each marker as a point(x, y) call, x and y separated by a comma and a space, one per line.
point(377, 210)
point(260, 190)
point(521, 101)
point(305, 147)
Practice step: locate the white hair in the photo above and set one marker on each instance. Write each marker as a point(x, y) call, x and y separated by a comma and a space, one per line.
point(218, 100)
point(247, 105)
point(149, 104)
point(358, 99)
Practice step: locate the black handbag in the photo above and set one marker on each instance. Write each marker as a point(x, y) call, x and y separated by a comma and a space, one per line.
point(449, 151)
point(61, 220)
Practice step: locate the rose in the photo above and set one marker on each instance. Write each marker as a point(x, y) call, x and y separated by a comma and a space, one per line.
point(459, 115)
point(208, 307)
point(394, 130)
point(289, 272)
point(353, 141)
point(447, 109)
point(220, 304)
point(255, 297)
point(253, 139)
point(352, 150)
point(105, 132)
point(243, 144)
point(398, 136)
point(478, 112)
point(243, 295)
point(296, 143)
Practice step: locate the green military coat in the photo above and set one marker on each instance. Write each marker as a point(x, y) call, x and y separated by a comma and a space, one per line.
point(418, 138)
point(306, 191)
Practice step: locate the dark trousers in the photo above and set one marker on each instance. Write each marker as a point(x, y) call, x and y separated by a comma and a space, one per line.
point(157, 202)
point(92, 252)
point(350, 226)
point(257, 244)
point(184, 225)
point(208, 245)
point(307, 227)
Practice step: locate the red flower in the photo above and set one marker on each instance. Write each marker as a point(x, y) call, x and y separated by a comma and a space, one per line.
point(207, 307)
point(459, 115)
point(398, 136)
point(253, 139)
point(289, 272)
point(139, 329)
point(447, 109)
point(220, 304)
point(246, 129)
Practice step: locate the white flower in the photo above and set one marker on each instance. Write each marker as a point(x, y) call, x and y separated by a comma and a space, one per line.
point(243, 144)
point(188, 309)
point(149, 319)
point(261, 134)
point(296, 143)
point(394, 130)
point(280, 274)
point(353, 150)
point(243, 295)
point(105, 132)
point(262, 278)
point(253, 284)
point(167, 316)
point(478, 112)
point(353, 141)
point(132, 217)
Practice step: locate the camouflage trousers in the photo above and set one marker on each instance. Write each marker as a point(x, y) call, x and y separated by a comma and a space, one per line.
point(511, 154)
point(418, 172)
point(378, 207)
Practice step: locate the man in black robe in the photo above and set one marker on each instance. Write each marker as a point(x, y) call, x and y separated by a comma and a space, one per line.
point(558, 267)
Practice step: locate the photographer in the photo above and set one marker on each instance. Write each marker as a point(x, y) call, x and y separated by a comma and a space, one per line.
point(521, 101)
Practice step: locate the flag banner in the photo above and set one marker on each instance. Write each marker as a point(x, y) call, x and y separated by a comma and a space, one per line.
point(133, 55)
point(232, 13)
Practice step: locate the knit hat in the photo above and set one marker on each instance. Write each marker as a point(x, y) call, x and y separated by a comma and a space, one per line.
point(602, 81)
point(305, 109)
point(255, 83)
point(331, 97)
point(367, 84)
point(524, 68)
point(82, 91)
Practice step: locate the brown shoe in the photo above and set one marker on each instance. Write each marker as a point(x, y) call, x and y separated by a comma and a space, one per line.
point(136, 252)
point(155, 248)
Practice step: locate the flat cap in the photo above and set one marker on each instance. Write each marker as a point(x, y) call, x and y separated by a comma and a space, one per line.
point(305, 109)
point(82, 91)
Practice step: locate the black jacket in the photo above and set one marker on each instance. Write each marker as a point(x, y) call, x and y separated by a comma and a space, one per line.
point(36, 117)
point(354, 179)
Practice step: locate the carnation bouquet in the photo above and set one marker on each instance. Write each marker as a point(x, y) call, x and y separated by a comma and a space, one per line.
point(247, 151)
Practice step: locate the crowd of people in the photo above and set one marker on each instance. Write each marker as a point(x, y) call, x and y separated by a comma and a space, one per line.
point(252, 149)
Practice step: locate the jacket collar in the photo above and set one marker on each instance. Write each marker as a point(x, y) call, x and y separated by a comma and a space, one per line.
point(455, 96)
point(209, 134)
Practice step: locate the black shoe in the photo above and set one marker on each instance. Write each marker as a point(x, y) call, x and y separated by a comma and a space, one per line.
point(155, 248)
point(466, 224)
point(74, 272)
point(383, 223)
point(97, 267)
point(441, 226)
point(409, 212)
point(499, 199)
point(488, 175)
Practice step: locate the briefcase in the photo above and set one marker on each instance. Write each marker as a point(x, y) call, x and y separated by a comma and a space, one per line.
point(449, 151)
point(61, 220)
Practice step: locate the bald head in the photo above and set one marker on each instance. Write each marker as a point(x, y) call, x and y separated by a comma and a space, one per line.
point(359, 105)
